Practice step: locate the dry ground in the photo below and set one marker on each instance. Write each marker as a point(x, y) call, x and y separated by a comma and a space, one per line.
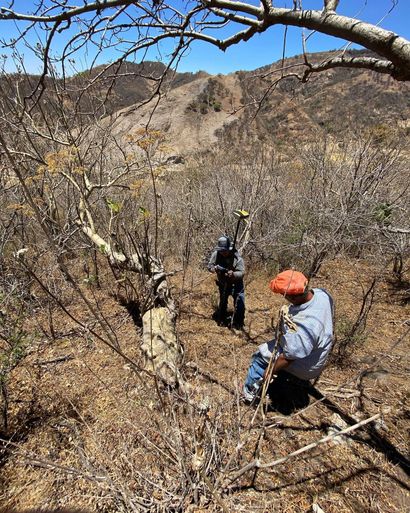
point(87, 431)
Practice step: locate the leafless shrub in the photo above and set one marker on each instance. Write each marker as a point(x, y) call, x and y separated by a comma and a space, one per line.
point(329, 200)
point(350, 336)
point(15, 341)
point(90, 200)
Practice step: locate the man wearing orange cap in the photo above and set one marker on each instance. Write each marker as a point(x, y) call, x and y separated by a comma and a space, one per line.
point(305, 336)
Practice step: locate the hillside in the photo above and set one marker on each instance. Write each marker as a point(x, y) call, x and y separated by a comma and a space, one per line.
point(90, 433)
point(93, 93)
point(119, 393)
point(197, 111)
point(196, 115)
point(130, 83)
point(333, 102)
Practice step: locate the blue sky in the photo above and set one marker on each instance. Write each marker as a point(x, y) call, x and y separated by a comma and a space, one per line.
point(262, 49)
point(266, 48)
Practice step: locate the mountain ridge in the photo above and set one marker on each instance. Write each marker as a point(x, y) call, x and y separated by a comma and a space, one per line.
point(235, 107)
point(198, 110)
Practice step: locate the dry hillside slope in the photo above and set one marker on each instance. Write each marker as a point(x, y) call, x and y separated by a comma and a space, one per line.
point(89, 432)
point(198, 110)
point(181, 115)
point(194, 116)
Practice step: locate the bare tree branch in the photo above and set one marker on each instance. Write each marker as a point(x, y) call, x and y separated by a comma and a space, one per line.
point(392, 229)
point(156, 22)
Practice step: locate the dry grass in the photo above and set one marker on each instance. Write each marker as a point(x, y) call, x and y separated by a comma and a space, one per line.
point(87, 431)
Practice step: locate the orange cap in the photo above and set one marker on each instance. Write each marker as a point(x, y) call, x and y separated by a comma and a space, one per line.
point(289, 282)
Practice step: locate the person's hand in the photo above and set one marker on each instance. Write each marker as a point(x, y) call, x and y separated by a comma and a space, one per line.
point(212, 269)
point(229, 274)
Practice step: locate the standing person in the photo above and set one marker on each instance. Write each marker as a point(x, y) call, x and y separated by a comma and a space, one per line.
point(230, 269)
point(305, 338)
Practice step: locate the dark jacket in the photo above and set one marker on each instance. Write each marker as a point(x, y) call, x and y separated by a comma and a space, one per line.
point(233, 262)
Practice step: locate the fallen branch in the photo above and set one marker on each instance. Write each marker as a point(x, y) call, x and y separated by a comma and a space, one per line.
point(56, 360)
point(256, 463)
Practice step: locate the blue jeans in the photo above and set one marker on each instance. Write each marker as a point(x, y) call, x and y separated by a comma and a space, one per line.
point(287, 392)
point(237, 291)
point(256, 370)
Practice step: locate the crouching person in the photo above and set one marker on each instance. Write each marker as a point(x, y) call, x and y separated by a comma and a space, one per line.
point(305, 338)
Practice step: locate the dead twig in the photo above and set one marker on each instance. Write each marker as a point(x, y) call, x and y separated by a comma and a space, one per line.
point(56, 360)
point(257, 464)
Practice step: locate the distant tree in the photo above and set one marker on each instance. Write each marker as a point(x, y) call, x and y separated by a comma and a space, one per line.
point(134, 26)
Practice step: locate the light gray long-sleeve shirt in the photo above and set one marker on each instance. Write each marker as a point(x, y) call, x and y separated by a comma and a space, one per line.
point(309, 346)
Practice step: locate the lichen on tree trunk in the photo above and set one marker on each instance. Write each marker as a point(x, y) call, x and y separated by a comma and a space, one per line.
point(162, 351)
